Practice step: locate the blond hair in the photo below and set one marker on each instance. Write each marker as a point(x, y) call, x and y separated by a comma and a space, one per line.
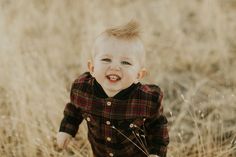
point(128, 31)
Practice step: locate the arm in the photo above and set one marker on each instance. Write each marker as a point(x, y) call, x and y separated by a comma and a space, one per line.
point(156, 131)
point(72, 119)
point(70, 123)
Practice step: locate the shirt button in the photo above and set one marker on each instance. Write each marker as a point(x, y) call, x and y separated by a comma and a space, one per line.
point(108, 103)
point(111, 154)
point(108, 122)
point(108, 139)
point(88, 119)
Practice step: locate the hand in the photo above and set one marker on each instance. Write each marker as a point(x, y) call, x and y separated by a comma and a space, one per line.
point(152, 155)
point(63, 139)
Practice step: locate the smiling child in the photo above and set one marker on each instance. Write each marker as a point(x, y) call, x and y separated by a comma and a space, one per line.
point(124, 117)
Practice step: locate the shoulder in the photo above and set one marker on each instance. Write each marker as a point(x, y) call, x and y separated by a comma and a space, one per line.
point(148, 98)
point(83, 83)
point(154, 95)
point(83, 78)
point(151, 90)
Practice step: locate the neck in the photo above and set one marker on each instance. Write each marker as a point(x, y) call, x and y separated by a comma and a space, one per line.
point(111, 93)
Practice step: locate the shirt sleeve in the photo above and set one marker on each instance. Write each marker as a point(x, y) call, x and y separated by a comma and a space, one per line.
point(156, 131)
point(72, 117)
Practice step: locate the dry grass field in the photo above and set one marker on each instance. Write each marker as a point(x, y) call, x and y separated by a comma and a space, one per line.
point(191, 53)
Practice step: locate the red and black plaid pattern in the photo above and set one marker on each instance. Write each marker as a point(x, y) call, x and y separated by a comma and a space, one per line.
point(112, 123)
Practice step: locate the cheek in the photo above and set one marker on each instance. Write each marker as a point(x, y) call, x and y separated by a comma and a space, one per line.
point(99, 67)
point(131, 74)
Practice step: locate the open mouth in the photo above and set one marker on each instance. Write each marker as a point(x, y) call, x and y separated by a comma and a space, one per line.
point(113, 77)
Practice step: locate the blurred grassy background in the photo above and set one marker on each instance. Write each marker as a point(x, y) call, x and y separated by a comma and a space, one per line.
point(191, 51)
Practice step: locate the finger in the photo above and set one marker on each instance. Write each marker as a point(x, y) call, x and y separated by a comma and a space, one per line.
point(66, 143)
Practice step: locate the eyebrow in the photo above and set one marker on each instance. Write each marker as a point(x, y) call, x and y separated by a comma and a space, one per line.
point(126, 58)
point(106, 55)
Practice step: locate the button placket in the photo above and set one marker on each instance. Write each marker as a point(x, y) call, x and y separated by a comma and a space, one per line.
point(108, 133)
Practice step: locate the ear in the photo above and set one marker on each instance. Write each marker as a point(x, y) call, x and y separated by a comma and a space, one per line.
point(90, 66)
point(142, 73)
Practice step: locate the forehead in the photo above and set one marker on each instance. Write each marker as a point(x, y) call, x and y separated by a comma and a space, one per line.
point(117, 47)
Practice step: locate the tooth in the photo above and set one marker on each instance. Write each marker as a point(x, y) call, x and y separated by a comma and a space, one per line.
point(112, 77)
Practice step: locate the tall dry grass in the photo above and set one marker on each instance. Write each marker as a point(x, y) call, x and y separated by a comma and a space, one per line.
point(191, 51)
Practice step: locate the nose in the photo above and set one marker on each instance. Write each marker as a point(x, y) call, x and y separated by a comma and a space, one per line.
point(115, 66)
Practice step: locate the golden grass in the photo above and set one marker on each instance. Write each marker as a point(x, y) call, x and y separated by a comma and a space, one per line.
point(191, 51)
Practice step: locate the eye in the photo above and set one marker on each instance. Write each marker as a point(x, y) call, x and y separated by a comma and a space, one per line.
point(126, 63)
point(106, 60)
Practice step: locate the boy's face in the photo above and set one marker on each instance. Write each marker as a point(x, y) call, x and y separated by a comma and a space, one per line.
point(116, 65)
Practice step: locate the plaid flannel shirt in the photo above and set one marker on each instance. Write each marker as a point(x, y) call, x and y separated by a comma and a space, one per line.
point(125, 125)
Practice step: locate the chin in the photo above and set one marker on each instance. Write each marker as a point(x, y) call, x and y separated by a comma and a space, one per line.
point(114, 89)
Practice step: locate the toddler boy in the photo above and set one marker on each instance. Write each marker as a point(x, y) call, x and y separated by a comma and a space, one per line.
point(124, 117)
